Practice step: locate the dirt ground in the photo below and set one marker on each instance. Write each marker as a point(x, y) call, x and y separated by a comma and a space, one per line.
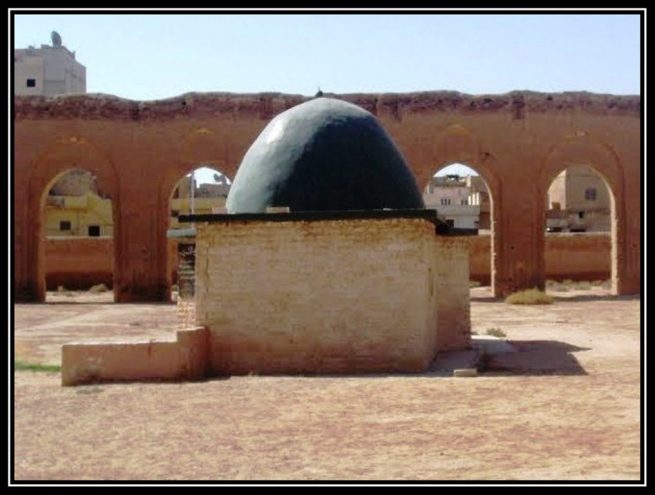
point(566, 406)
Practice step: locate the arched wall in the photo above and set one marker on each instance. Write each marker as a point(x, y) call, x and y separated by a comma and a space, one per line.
point(516, 141)
point(456, 144)
point(582, 149)
point(200, 147)
point(65, 154)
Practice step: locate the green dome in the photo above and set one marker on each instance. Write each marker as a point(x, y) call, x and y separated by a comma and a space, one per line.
point(323, 155)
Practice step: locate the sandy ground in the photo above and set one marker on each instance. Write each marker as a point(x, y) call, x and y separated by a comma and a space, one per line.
point(564, 407)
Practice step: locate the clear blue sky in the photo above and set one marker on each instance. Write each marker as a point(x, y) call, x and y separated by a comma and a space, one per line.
point(160, 56)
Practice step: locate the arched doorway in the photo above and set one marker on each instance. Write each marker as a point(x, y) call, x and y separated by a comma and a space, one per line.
point(77, 218)
point(594, 163)
point(203, 190)
point(463, 199)
point(579, 218)
point(62, 156)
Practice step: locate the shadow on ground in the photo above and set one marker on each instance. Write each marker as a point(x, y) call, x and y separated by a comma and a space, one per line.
point(486, 299)
point(534, 357)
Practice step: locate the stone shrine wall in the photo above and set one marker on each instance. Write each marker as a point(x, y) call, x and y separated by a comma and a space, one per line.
point(334, 296)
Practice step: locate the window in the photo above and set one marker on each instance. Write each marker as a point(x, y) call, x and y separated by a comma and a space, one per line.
point(94, 230)
point(581, 214)
point(31, 83)
point(590, 194)
point(465, 201)
point(445, 201)
point(64, 225)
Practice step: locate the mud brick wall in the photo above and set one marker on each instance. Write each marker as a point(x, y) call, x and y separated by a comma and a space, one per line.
point(568, 256)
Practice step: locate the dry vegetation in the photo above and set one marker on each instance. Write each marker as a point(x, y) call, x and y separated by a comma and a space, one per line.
point(529, 296)
point(98, 288)
point(496, 332)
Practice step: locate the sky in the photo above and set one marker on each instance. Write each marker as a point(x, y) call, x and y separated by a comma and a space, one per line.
point(150, 56)
point(160, 56)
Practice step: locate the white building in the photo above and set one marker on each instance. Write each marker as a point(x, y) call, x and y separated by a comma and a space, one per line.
point(49, 70)
point(452, 197)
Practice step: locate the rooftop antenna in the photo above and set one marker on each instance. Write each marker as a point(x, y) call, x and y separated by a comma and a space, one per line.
point(56, 39)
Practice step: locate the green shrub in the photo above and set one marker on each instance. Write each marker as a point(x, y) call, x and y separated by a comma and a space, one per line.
point(23, 366)
point(529, 296)
point(496, 332)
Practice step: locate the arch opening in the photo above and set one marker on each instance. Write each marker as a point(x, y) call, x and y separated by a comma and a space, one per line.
point(463, 198)
point(580, 232)
point(202, 190)
point(77, 238)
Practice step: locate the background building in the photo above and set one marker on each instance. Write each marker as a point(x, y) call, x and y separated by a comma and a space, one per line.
point(578, 201)
point(453, 198)
point(479, 196)
point(49, 70)
point(74, 206)
point(206, 197)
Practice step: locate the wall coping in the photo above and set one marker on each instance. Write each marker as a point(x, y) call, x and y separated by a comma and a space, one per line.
point(266, 105)
point(429, 215)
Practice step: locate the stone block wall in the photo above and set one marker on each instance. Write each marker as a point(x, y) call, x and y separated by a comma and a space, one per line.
point(341, 296)
point(452, 288)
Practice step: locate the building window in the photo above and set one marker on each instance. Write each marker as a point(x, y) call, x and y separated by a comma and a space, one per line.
point(94, 230)
point(581, 214)
point(465, 202)
point(590, 194)
point(31, 83)
point(445, 201)
point(64, 225)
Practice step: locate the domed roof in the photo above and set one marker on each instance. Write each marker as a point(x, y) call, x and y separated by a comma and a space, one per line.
point(324, 154)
